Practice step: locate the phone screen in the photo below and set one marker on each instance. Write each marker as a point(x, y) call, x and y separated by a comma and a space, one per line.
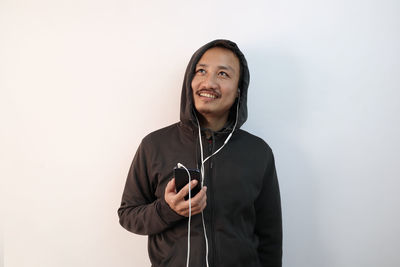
point(182, 179)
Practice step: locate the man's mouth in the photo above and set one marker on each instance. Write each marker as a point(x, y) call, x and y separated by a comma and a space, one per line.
point(208, 95)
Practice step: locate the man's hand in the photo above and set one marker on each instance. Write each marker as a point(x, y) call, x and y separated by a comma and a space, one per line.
point(178, 203)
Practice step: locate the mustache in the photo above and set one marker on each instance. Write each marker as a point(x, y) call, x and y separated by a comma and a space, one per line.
point(211, 91)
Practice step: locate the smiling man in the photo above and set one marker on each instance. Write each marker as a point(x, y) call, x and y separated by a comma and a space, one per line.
point(236, 216)
point(215, 86)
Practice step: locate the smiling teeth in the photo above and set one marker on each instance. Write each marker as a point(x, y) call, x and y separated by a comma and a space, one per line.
point(208, 95)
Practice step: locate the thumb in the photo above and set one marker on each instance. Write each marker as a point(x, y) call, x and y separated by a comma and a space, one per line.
point(170, 188)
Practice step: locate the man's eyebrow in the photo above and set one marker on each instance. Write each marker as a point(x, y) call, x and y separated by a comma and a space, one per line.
point(223, 67)
point(226, 68)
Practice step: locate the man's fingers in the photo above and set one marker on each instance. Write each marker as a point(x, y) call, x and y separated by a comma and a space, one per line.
point(185, 190)
point(198, 208)
point(201, 195)
point(199, 202)
point(177, 202)
point(170, 188)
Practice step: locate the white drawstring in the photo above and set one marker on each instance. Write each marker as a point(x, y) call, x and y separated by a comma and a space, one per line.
point(180, 165)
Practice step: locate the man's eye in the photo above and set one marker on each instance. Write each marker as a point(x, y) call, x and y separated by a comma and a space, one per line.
point(201, 71)
point(223, 73)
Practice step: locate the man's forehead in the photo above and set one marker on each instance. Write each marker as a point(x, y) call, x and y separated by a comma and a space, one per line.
point(225, 58)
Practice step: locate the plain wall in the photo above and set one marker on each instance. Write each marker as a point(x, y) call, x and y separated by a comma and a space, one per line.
point(82, 82)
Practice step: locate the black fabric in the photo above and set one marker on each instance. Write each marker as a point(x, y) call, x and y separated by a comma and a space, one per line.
point(243, 213)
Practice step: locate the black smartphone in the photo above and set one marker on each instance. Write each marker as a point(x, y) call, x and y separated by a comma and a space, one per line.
point(182, 179)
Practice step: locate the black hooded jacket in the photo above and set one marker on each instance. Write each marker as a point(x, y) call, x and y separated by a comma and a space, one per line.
point(243, 213)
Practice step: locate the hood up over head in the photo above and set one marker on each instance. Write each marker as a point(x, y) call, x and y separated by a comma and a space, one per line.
point(188, 112)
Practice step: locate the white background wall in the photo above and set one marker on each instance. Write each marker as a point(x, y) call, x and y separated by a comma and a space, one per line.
point(83, 81)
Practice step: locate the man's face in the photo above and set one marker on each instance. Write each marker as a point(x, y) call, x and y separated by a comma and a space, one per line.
point(215, 83)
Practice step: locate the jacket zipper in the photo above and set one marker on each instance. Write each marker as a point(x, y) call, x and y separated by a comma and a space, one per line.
point(210, 177)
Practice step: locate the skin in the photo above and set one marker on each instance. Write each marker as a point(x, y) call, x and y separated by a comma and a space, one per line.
point(215, 88)
point(178, 203)
point(217, 75)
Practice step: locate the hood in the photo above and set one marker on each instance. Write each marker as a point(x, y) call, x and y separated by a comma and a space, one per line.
point(187, 113)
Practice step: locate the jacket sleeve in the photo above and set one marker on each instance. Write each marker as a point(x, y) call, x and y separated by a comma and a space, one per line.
point(141, 212)
point(269, 219)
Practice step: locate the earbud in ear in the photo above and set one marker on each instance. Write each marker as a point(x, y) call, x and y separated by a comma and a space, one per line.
point(238, 92)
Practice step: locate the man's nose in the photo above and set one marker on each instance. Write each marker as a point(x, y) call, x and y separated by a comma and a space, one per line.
point(210, 81)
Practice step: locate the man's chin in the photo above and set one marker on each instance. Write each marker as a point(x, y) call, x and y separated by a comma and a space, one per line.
point(204, 112)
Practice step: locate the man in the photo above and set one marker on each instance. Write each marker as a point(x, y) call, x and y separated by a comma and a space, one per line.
point(239, 204)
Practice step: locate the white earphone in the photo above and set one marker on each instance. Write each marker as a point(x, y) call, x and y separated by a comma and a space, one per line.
point(202, 180)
